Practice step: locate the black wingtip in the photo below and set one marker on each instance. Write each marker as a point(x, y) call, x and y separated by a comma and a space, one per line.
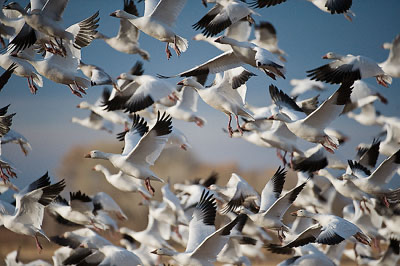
point(79, 196)
point(208, 206)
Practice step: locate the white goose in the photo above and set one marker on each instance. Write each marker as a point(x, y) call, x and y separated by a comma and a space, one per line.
point(139, 154)
point(29, 210)
point(97, 75)
point(22, 69)
point(273, 207)
point(186, 107)
point(13, 136)
point(241, 53)
point(227, 94)
point(349, 67)
point(334, 228)
point(224, 14)
point(265, 37)
point(157, 22)
point(94, 121)
point(329, 6)
point(127, 39)
point(391, 65)
point(204, 242)
point(303, 85)
point(312, 127)
point(123, 181)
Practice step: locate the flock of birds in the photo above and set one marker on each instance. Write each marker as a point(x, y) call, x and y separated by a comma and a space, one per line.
point(37, 45)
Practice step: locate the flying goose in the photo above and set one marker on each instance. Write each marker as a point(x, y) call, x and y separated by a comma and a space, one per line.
point(127, 39)
point(30, 203)
point(241, 53)
point(204, 242)
point(227, 94)
point(312, 127)
point(329, 6)
point(301, 86)
point(13, 136)
point(223, 15)
point(273, 206)
point(94, 121)
point(139, 154)
point(45, 21)
point(265, 37)
point(157, 22)
point(123, 181)
point(334, 228)
point(349, 67)
point(97, 75)
point(391, 65)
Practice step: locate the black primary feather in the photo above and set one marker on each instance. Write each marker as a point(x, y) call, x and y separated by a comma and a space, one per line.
point(163, 125)
point(278, 97)
point(79, 196)
point(130, 7)
point(208, 207)
point(354, 166)
point(6, 75)
point(338, 6)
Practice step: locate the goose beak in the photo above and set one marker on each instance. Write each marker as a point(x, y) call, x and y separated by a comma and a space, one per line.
point(271, 118)
point(293, 213)
point(180, 83)
point(78, 106)
point(113, 14)
point(154, 251)
point(218, 40)
point(325, 57)
point(93, 168)
point(87, 156)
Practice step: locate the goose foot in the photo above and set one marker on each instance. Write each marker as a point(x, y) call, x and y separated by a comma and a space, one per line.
point(38, 245)
point(168, 52)
point(74, 91)
point(199, 122)
point(183, 147)
point(149, 187)
point(229, 126)
point(238, 126)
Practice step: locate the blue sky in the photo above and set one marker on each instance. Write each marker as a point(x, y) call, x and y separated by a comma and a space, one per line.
point(304, 32)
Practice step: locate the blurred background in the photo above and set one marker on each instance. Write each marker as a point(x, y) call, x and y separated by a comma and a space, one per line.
point(304, 32)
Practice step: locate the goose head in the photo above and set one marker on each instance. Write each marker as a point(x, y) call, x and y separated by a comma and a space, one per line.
point(302, 213)
point(122, 14)
point(163, 251)
point(96, 155)
point(280, 117)
point(188, 82)
point(332, 55)
point(223, 40)
point(98, 167)
point(83, 105)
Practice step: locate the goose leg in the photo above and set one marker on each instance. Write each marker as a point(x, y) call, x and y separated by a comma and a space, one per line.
point(38, 245)
point(168, 51)
point(79, 88)
point(361, 207)
point(148, 186)
point(176, 230)
point(238, 126)
point(35, 89)
point(183, 147)
point(143, 195)
point(291, 160)
point(74, 91)
point(177, 51)
point(229, 126)
point(199, 122)
point(366, 207)
point(30, 86)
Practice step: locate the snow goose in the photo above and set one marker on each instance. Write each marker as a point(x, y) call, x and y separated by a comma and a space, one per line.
point(391, 65)
point(139, 154)
point(13, 136)
point(13, 259)
point(78, 211)
point(116, 117)
point(237, 190)
point(127, 39)
point(97, 75)
point(150, 237)
point(241, 53)
point(373, 182)
point(265, 37)
point(105, 255)
point(22, 69)
point(123, 181)
point(222, 15)
point(63, 69)
point(5, 121)
point(273, 207)
point(149, 90)
point(108, 204)
point(334, 228)
point(186, 107)
point(239, 31)
point(74, 239)
point(349, 67)
point(227, 94)
point(30, 203)
point(157, 22)
point(46, 20)
point(94, 121)
point(303, 85)
point(329, 6)
point(204, 242)
point(312, 127)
